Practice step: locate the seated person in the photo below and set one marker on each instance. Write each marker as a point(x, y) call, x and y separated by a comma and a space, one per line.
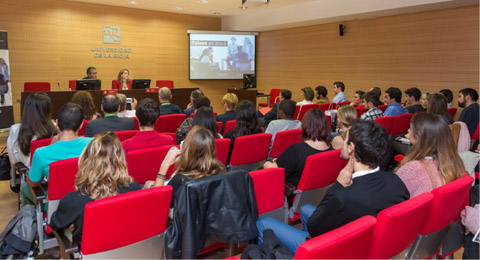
point(285, 121)
point(229, 103)
point(338, 89)
point(322, 93)
point(91, 73)
point(182, 130)
point(393, 97)
point(124, 111)
point(467, 99)
point(412, 100)
point(84, 99)
point(196, 94)
point(357, 98)
point(433, 159)
point(361, 189)
point(345, 116)
point(196, 160)
point(272, 114)
point(36, 124)
point(67, 145)
point(438, 105)
point(102, 172)
point(167, 108)
point(307, 94)
point(205, 117)
point(448, 96)
point(424, 100)
point(110, 121)
point(123, 81)
point(147, 114)
point(371, 102)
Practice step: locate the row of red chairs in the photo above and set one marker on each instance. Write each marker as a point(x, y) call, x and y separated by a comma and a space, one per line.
point(46, 87)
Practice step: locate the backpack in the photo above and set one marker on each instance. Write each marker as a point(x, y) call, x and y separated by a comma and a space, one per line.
point(18, 240)
point(4, 165)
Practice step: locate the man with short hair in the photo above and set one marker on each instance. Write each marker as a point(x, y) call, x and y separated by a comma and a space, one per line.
point(412, 100)
point(371, 102)
point(322, 93)
point(338, 89)
point(361, 189)
point(272, 114)
point(167, 108)
point(147, 113)
point(110, 122)
point(196, 94)
point(91, 73)
point(67, 145)
point(467, 99)
point(285, 121)
point(393, 97)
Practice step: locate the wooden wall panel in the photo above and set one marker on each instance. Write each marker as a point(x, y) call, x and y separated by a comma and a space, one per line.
point(430, 50)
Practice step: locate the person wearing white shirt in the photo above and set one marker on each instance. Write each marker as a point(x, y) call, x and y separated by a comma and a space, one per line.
point(308, 95)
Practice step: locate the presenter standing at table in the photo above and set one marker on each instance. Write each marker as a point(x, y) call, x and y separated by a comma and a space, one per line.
point(123, 82)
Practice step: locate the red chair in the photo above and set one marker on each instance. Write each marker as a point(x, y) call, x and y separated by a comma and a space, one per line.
point(36, 87)
point(127, 134)
point(152, 90)
point(72, 84)
point(304, 109)
point(223, 147)
point(164, 83)
point(350, 241)
point(37, 144)
point(297, 112)
point(81, 132)
point(343, 104)
point(192, 115)
point(135, 121)
point(326, 106)
point(136, 231)
point(172, 135)
point(229, 125)
point(398, 226)
point(274, 98)
point(452, 111)
point(386, 122)
point(269, 185)
point(143, 164)
point(399, 157)
point(283, 140)
point(475, 135)
point(401, 124)
point(383, 108)
point(169, 123)
point(246, 158)
point(320, 171)
point(360, 111)
point(448, 201)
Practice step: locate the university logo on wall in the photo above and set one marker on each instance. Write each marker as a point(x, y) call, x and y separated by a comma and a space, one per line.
point(111, 34)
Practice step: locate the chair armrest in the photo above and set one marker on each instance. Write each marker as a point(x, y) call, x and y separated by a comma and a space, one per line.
point(38, 194)
point(21, 168)
point(67, 246)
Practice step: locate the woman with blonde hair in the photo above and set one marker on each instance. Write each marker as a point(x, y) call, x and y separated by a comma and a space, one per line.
point(102, 172)
point(123, 81)
point(433, 160)
point(345, 116)
point(85, 101)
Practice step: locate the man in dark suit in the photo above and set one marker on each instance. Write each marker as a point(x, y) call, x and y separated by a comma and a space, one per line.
point(167, 108)
point(110, 121)
point(361, 189)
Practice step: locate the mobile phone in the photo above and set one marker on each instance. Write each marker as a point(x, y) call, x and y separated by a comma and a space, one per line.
point(129, 103)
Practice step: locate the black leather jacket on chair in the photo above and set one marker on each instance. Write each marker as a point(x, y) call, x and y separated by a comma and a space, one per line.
point(220, 208)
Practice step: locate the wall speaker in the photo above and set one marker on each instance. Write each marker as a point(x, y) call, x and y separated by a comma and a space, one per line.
point(340, 29)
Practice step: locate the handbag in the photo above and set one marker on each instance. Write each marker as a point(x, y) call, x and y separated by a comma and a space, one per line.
point(4, 165)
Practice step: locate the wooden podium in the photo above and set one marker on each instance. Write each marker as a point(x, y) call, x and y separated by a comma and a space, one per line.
point(249, 94)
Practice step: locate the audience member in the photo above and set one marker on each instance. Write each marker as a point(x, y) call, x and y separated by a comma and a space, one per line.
point(229, 103)
point(361, 189)
point(69, 145)
point(196, 94)
point(433, 159)
point(272, 114)
point(85, 101)
point(377, 91)
point(110, 122)
point(167, 108)
point(308, 95)
point(123, 81)
point(438, 105)
point(338, 89)
point(357, 98)
point(448, 96)
point(371, 102)
point(412, 98)
point(124, 110)
point(205, 117)
point(345, 116)
point(467, 99)
point(36, 124)
point(424, 100)
point(322, 93)
point(102, 173)
point(393, 97)
point(91, 73)
point(285, 121)
point(182, 130)
point(147, 114)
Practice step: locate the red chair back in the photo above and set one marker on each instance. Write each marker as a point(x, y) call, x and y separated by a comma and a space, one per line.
point(283, 140)
point(229, 125)
point(244, 154)
point(127, 134)
point(139, 215)
point(164, 83)
point(350, 241)
point(61, 178)
point(383, 108)
point(81, 132)
point(152, 90)
point(143, 164)
point(297, 112)
point(34, 145)
point(36, 87)
point(269, 185)
point(172, 135)
point(304, 109)
point(331, 164)
point(360, 111)
point(274, 96)
point(135, 121)
point(386, 122)
point(401, 124)
point(72, 84)
point(110, 92)
point(192, 115)
point(223, 147)
point(326, 106)
point(169, 123)
point(475, 135)
point(452, 111)
point(398, 226)
point(343, 103)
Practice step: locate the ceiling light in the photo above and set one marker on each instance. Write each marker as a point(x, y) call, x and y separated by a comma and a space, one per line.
point(243, 7)
point(217, 13)
point(203, 1)
point(178, 9)
point(132, 2)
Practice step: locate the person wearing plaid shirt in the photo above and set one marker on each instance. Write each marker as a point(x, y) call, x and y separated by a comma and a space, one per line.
point(370, 102)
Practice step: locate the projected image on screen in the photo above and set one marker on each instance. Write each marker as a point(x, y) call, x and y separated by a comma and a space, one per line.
point(221, 56)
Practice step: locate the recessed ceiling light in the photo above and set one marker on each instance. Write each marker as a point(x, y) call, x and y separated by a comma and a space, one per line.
point(132, 2)
point(243, 7)
point(217, 13)
point(203, 1)
point(178, 9)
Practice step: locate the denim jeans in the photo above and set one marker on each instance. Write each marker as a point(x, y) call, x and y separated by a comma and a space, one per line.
point(288, 235)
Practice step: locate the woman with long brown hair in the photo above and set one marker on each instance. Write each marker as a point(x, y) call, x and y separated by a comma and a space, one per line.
point(433, 160)
point(85, 101)
point(437, 105)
